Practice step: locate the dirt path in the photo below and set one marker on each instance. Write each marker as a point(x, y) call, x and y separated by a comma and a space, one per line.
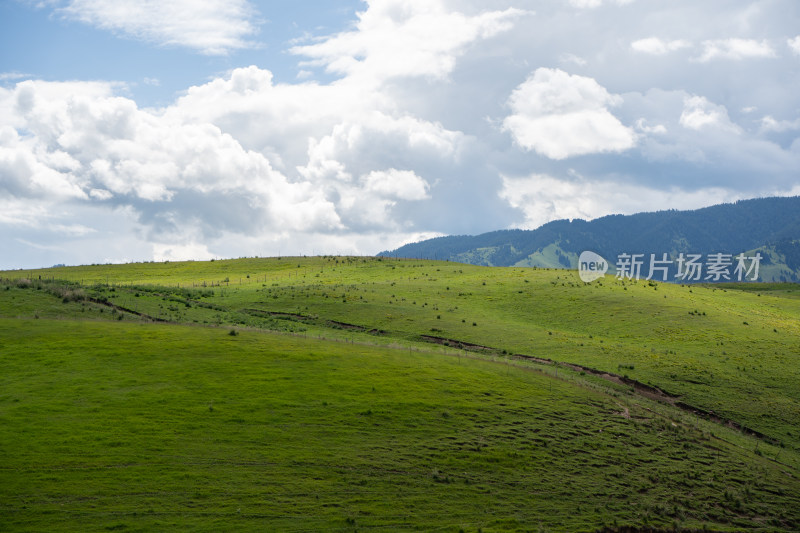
point(125, 309)
point(642, 389)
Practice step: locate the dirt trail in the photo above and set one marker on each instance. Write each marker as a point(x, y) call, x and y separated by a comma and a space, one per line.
point(125, 309)
point(642, 389)
point(314, 320)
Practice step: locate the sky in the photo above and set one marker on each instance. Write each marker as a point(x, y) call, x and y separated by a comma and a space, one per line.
point(196, 129)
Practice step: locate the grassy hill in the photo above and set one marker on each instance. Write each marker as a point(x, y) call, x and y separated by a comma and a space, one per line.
point(344, 393)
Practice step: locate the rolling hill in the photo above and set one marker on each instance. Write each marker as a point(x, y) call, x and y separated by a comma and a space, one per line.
point(345, 393)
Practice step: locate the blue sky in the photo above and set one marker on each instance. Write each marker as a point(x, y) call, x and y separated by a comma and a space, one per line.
point(51, 45)
point(155, 130)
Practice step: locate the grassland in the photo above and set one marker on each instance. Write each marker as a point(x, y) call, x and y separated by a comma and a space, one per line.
point(126, 402)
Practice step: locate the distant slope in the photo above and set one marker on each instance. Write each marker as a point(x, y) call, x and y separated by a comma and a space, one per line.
point(770, 226)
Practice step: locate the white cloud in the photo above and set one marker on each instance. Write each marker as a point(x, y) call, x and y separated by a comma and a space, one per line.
point(17, 213)
point(23, 174)
point(700, 136)
point(656, 46)
point(73, 230)
point(402, 38)
point(181, 252)
point(768, 123)
point(560, 115)
point(584, 4)
point(543, 198)
point(698, 113)
point(7, 76)
point(400, 184)
point(355, 148)
point(641, 125)
point(287, 244)
point(189, 180)
point(328, 136)
point(572, 58)
point(26, 215)
point(89, 144)
point(794, 45)
point(212, 27)
point(101, 194)
point(735, 49)
point(590, 4)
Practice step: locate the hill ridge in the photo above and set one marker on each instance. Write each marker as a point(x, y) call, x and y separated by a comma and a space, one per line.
point(770, 226)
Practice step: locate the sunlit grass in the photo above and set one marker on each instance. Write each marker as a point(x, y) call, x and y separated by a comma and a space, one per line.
point(196, 428)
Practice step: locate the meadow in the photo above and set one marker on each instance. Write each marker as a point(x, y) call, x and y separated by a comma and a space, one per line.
point(350, 393)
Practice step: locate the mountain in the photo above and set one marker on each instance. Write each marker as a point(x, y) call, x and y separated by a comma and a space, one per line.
point(769, 227)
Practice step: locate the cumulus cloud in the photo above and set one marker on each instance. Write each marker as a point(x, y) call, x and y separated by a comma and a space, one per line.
point(768, 123)
point(90, 144)
point(244, 158)
point(735, 49)
point(698, 113)
point(400, 184)
point(405, 38)
point(189, 180)
point(701, 146)
point(543, 198)
point(340, 164)
point(659, 47)
point(211, 27)
point(642, 126)
point(794, 45)
point(560, 115)
point(23, 174)
point(361, 143)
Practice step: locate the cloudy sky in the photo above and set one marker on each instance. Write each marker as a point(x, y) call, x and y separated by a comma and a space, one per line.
point(169, 129)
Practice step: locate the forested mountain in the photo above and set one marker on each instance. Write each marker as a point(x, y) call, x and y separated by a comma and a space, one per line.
point(768, 226)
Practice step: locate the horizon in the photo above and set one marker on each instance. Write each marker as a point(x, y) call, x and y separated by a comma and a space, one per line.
point(380, 253)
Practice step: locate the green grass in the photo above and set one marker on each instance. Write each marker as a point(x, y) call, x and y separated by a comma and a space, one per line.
point(112, 425)
point(730, 351)
point(304, 422)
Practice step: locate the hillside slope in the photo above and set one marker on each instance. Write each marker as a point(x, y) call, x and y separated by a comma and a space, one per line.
point(300, 394)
